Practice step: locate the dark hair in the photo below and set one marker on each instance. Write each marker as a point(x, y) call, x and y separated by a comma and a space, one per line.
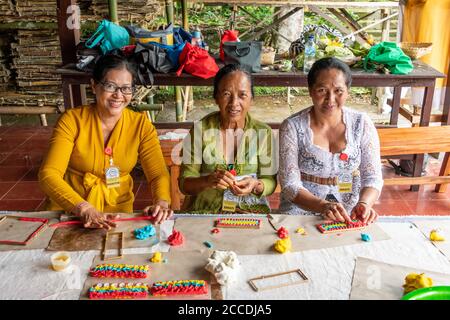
point(229, 68)
point(326, 64)
point(114, 59)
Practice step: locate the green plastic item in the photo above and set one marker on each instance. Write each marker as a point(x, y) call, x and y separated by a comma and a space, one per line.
point(388, 55)
point(430, 293)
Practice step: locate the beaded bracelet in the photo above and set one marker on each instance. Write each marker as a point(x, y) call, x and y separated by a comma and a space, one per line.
point(119, 271)
point(179, 287)
point(118, 291)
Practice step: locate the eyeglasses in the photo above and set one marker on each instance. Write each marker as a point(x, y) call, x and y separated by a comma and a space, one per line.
point(111, 87)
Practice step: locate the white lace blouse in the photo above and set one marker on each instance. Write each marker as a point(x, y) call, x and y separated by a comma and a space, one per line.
point(299, 154)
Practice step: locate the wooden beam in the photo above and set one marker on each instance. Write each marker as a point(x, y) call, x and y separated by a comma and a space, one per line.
point(328, 18)
point(276, 14)
point(371, 25)
point(276, 22)
point(28, 110)
point(445, 171)
point(334, 4)
point(416, 181)
point(69, 32)
point(27, 25)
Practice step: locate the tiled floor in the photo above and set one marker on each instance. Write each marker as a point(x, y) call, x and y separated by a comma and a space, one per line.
point(22, 150)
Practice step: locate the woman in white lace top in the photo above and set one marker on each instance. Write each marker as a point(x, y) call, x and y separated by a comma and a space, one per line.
point(329, 154)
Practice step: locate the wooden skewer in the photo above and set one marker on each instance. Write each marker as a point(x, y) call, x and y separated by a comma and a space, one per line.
point(269, 217)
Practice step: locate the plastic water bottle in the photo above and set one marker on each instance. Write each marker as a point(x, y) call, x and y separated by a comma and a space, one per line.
point(310, 54)
point(197, 38)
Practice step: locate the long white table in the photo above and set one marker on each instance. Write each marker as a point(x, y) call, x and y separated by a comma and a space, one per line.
point(27, 274)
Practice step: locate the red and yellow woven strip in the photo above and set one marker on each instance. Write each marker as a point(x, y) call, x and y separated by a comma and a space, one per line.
point(179, 287)
point(118, 291)
point(119, 271)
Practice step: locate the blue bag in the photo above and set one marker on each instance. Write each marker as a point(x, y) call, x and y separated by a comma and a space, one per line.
point(110, 36)
point(181, 36)
point(173, 52)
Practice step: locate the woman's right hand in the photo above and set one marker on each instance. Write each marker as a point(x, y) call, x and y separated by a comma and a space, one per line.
point(220, 179)
point(93, 219)
point(335, 211)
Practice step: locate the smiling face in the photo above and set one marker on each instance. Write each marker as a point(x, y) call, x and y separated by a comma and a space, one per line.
point(329, 92)
point(111, 104)
point(234, 97)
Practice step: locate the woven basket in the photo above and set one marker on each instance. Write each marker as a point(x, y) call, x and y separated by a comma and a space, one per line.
point(415, 50)
point(267, 56)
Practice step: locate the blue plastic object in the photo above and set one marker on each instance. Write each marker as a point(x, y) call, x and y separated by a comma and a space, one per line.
point(145, 232)
point(208, 244)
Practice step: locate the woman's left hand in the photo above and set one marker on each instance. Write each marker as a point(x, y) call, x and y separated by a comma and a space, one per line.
point(364, 213)
point(244, 186)
point(160, 211)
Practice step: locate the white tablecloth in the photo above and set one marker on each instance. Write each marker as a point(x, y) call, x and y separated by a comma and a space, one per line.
point(27, 274)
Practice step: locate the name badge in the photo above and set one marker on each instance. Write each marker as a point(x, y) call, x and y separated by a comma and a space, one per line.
point(345, 183)
point(112, 177)
point(230, 201)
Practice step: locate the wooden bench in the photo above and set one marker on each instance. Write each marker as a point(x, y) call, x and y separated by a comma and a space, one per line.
point(393, 142)
point(417, 140)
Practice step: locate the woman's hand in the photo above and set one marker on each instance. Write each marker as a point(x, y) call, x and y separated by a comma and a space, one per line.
point(93, 219)
point(220, 179)
point(160, 211)
point(335, 211)
point(364, 212)
point(245, 186)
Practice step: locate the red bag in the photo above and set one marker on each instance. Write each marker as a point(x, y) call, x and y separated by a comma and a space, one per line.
point(228, 36)
point(197, 61)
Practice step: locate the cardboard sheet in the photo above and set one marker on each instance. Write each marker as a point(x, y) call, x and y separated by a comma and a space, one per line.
point(16, 230)
point(260, 241)
point(444, 230)
point(76, 238)
point(179, 266)
point(374, 280)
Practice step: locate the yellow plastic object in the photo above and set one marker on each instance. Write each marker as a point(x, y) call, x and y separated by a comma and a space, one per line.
point(435, 236)
point(60, 260)
point(415, 281)
point(157, 257)
point(283, 245)
point(301, 231)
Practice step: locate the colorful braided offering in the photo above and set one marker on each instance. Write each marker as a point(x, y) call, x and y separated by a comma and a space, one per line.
point(119, 271)
point(118, 291)
point(245, 223)
point(179, 287)
point(331, 227)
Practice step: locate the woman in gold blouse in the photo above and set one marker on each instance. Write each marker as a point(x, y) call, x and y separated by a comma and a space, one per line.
point(94, 148)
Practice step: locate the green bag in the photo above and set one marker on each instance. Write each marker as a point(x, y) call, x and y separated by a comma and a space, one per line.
point(390, 56)
point(110, 36)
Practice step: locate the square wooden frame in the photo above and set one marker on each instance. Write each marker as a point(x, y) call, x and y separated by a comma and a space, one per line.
point(298, 271)
point(105, 246)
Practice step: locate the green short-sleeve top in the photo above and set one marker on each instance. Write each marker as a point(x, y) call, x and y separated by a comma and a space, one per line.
point(202, 154)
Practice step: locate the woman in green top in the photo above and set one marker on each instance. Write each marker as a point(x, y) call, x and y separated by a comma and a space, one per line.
point(228, 149)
